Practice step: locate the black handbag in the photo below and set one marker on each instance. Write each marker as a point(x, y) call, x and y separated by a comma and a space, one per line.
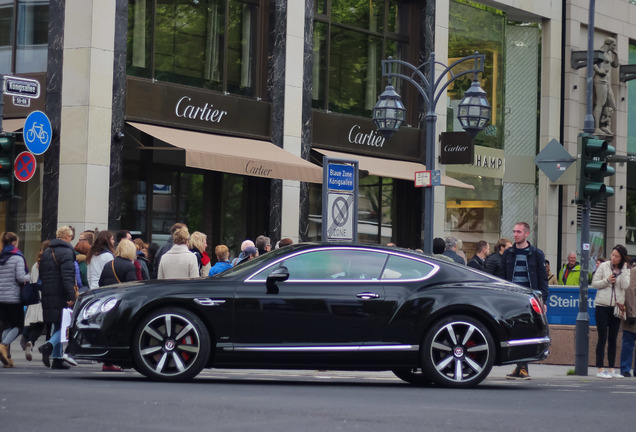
point(30, 294)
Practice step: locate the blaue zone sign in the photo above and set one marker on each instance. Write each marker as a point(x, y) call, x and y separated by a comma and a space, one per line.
point(339, 200)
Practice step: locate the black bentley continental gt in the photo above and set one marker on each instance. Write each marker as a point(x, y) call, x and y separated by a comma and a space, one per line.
point(318, 306)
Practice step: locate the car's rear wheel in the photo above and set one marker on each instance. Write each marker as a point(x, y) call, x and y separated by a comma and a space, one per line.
point(170, 344)
point(458, 351)
point(413, 376)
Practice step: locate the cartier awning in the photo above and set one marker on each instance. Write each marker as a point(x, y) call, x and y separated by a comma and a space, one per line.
point(235, 155)
point(12, 125)
point(391, 168)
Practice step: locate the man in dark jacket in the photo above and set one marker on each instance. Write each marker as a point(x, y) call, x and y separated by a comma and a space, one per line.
point(494, 263)
point(57, 272)
point(451, 250)
point(525, 265)
point(481, 252)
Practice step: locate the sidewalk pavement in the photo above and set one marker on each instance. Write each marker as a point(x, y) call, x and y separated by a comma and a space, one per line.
point(537, 370)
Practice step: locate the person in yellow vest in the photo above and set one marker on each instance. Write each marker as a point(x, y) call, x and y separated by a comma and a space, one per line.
point(570, 273)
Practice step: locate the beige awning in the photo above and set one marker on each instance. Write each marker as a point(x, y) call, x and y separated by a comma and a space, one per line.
point(391, 168)
point(235, 155)
point(12, 125)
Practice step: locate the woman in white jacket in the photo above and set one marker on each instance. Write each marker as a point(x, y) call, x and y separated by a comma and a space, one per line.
point(611, 279)
point(179, 262)
point(102, 251)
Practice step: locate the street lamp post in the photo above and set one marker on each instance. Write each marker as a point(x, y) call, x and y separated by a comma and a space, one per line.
point(389, 113)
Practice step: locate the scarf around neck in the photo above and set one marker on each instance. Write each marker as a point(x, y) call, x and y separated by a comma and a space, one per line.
point(9, 251)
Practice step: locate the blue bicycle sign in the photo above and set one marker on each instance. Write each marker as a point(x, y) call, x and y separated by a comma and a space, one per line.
point(37, 132)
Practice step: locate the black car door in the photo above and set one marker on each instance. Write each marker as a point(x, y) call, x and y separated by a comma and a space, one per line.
point(330, 303)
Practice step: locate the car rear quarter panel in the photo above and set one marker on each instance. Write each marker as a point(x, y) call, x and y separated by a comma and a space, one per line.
point(507, 315)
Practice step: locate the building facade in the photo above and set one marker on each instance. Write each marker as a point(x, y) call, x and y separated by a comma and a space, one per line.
point(217, 113)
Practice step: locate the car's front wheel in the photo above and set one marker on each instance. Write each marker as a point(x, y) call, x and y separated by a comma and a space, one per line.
point(458, 351)
point(170, 344)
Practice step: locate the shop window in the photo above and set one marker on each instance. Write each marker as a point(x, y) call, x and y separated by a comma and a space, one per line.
point(28, 53)
point(204, 43)
point(479, 28)
point(350, 40)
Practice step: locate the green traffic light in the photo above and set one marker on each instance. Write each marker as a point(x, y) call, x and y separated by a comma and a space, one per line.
point(7, 150)
point(593, 168)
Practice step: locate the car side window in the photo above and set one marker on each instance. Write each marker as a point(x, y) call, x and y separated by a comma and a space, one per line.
point(398, 267)
point(331, 264)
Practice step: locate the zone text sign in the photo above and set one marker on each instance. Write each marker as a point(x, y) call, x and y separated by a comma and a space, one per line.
point(340, 177)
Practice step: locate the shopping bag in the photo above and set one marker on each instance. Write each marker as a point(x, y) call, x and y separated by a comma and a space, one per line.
point(67, 315)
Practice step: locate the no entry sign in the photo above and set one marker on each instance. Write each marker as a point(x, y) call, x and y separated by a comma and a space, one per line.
point(24, 166)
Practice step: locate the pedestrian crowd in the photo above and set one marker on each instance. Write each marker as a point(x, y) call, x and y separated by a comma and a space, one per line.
point(99, 258)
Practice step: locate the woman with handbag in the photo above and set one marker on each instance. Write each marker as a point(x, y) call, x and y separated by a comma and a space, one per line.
point(121, 269)
point(57, 272)
point(611, 279)
point(13, 274)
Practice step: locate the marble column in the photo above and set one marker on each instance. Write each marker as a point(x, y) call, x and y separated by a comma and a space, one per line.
point(53, 106)
point(118, 113)
point(276, 90)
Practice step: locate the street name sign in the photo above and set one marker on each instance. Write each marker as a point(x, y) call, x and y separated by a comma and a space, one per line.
point(24, 87)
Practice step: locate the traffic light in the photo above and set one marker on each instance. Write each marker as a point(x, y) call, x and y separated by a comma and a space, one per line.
point(7, 156)
point(593, 168)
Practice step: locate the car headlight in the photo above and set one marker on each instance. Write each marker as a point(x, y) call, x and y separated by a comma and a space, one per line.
point(99, 306)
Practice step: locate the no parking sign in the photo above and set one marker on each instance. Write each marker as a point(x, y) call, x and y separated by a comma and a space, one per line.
point(24, 166)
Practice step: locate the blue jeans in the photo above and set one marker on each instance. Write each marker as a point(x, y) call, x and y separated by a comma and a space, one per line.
point(627, 351)
point(58, 349)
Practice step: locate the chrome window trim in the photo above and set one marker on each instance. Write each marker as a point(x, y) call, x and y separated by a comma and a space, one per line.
point(304, 251)
point(322, 348)
point(522, 342)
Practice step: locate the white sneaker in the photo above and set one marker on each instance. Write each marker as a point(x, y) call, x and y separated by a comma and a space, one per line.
point(68, 359)
point(615, 374)
point(604, 375)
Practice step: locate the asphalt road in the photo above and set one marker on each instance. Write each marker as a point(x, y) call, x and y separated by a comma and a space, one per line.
point(34, 398)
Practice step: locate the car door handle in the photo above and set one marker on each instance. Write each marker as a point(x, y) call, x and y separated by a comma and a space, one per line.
point(368, 295)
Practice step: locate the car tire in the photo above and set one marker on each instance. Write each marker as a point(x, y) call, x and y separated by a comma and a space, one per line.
point(458, 351)
point(170, 344)
point(413, 376)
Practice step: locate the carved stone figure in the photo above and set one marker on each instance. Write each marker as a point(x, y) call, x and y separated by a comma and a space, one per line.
point(604, 104)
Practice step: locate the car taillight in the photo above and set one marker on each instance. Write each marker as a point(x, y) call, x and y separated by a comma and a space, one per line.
point(536, 305)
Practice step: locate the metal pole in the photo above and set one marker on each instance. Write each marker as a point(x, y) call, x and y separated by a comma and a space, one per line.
point(583, 318)
point(429, 195)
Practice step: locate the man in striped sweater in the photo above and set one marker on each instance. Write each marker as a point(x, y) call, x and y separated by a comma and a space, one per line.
point(525, 265)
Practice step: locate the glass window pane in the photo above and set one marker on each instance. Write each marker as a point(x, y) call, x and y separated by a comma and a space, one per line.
point(366, 14)
point(335, 265)
point(139, 38)
point(354, 72)
point(188, 42)
point(33, 33)
point(6, 35)
point(398, 267)
point(478, 28)
point(241, 61)
point(319, 65)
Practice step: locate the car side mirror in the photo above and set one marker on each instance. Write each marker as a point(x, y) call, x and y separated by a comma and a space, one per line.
point(281, 274)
